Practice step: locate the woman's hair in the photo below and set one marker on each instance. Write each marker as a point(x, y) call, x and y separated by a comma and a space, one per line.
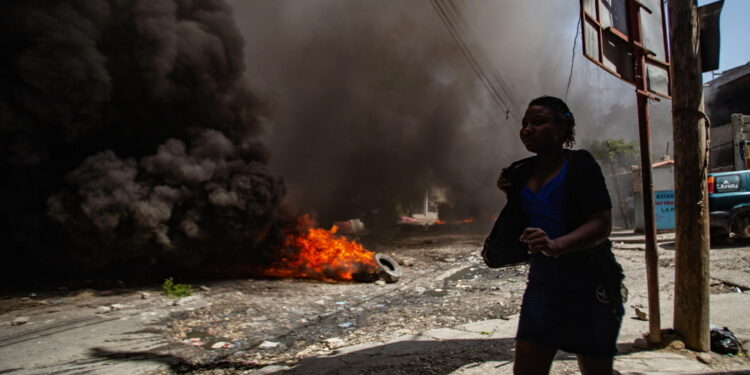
point(563, 116)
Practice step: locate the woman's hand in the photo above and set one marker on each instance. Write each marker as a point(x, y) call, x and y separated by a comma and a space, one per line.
point(539, 242)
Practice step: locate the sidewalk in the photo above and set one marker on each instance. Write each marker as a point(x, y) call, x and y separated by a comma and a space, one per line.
point(493, 339)
point(628, 236)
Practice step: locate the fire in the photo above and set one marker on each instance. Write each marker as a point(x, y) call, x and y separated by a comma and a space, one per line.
point(322, 255)
point(464, 221)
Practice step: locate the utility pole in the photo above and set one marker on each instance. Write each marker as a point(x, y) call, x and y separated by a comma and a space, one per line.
point(644, 132)
point(691, 304)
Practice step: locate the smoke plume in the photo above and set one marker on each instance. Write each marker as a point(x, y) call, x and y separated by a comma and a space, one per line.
point(130, 126)
point(374, 101)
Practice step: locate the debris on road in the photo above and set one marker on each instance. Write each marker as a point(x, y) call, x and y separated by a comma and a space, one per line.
point(269, 344)
point(20, 321)
point(640, 314)
point(723, 341)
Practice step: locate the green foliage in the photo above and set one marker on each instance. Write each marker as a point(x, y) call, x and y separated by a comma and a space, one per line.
point(616, 153)
point(173, 290)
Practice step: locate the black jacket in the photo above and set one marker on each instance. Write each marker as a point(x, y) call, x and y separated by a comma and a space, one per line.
point(585, 194)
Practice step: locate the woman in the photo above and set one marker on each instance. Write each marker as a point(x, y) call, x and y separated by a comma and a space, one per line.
point(558, 215)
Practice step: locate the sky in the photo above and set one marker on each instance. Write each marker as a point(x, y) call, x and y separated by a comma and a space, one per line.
point(735, 48)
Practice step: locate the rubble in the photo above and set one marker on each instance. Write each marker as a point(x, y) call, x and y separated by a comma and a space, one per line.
point(269, 345)
point(20, 320)
point(334, 343)
point(103, 309)
point(283, 322)
point(704, 358)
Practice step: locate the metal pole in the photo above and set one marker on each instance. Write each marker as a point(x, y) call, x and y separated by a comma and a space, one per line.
point(644, 131)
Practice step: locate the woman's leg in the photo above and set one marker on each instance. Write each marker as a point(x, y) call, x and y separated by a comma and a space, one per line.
point(532, 359)
point(596, 366)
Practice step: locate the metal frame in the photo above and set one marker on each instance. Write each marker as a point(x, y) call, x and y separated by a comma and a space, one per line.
point(601, 30)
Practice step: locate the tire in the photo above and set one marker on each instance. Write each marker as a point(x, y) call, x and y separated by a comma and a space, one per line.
point(741, 225)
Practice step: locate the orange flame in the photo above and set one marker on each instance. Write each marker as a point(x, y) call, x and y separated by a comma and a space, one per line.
point(322, 255)
point(464, 221)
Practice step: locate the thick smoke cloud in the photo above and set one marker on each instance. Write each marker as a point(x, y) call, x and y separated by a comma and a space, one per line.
point(205, 203)
point(130, 124)
point(374, 102)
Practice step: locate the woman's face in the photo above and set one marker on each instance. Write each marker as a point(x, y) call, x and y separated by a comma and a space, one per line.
point(540, 131)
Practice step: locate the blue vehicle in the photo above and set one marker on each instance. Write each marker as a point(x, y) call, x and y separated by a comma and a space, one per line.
point(729, 204)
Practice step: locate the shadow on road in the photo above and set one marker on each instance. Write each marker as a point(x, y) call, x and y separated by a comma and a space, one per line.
point(401, 357)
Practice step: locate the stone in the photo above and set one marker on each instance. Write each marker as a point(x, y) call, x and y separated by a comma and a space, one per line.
point(103, 309)
point(640, 315)
point(704, 357)
point(20, 320)
point(269, 344)
point(145, 295)
point(204, 288)
point(677, 344)
point(334, 343)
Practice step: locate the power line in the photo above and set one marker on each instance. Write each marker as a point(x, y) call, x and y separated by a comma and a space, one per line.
point(496, 78)
point(487, 82)
point(573, 58)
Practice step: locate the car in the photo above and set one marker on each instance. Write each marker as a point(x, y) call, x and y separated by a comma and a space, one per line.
point(729, 204)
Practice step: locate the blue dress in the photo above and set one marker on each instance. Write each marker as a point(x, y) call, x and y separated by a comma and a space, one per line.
point(563, 308)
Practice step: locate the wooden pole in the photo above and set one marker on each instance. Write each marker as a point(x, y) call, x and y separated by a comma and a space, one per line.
point(644, 131)
point(691, 304)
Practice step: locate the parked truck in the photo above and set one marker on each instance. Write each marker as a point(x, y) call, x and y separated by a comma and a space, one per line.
point(729, 179)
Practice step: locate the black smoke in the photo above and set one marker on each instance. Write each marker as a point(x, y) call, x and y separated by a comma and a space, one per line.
point(374, 101)
point(128, 133)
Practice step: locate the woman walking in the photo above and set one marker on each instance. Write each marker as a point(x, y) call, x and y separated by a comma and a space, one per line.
point(558, 216)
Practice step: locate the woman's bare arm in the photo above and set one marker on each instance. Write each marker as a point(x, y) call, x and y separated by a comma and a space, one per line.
point(588, 235)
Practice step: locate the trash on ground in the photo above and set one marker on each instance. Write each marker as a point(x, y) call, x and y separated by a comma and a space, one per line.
point(346, 325)
point(723, 341)
point(222, 345)
point(269, 344)
point(193, 341)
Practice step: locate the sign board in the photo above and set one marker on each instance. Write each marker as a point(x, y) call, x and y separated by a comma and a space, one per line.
point(609, 42)
point(664, 209)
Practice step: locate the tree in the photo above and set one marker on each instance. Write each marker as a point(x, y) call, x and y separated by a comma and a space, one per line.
point(619, 156)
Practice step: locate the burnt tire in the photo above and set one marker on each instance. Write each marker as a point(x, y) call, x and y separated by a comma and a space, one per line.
point(389, 271)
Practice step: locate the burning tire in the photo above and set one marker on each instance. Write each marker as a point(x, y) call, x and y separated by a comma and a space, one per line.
point(389, 270)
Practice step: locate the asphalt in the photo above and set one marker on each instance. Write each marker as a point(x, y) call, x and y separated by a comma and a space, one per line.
point(481, 347)
point(497, 335)
point(494, 338)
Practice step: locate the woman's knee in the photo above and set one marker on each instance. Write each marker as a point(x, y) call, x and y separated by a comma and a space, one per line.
point(532, 359)
point(596, 366)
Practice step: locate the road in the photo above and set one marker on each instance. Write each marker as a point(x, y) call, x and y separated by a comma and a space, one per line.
point(237, 326)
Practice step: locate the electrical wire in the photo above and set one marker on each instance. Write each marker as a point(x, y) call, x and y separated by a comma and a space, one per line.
point(443, 12)
point(573, 58)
